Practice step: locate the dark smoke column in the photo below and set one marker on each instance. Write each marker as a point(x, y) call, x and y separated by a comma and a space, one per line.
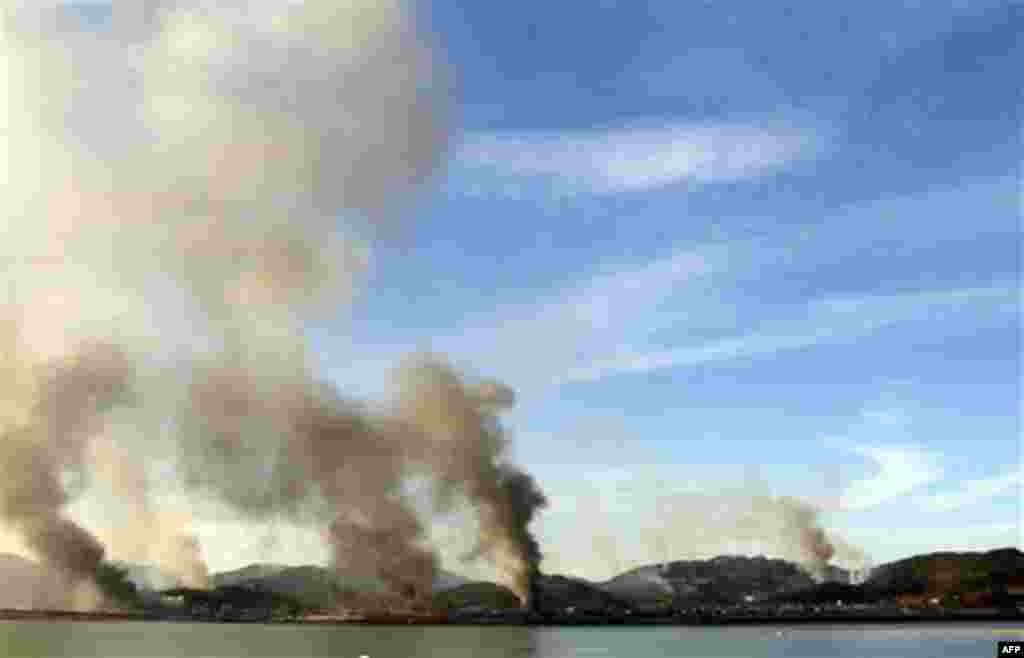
point(466, 450)
point(527, 499)
point(332, 464)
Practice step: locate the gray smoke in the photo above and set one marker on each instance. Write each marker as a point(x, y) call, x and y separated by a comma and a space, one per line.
point(797, 525)
point(49, 447)
point(467, 451)
point(323, 459)
point(301, 451)
point(175, 233)
point(702, 525)
point(145, 533)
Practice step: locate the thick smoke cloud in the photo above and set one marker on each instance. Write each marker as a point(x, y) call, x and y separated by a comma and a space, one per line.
point(72, 396)
point(298, 450)
point(183, 184)
point(466, 449)
point(145, 532)
point(176, 177)
point(323, 459)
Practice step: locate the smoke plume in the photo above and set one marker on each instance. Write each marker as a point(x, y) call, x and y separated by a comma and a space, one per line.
point(701, 525)
point(47, 449)
point(185, 183)
point(145, 532)
point(797, 525)
point(467, 449)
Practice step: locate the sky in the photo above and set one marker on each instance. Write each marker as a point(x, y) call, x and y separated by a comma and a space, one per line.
point(705, 238)
point(717, 245)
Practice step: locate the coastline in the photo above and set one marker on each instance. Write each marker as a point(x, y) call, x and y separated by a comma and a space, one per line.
point(433, 620)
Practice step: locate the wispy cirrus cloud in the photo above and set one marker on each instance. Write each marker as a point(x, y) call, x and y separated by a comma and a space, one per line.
point(898, 470)
point(636, 158)
point(532, 344)
point(695, 306)
point(971, 492)
point(602, 326)
point(819, 321)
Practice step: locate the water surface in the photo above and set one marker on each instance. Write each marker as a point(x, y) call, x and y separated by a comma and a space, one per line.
point(141, 640)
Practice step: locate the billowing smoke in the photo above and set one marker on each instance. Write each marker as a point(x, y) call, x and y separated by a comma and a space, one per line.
point(145, 532)
point(47, 450)
point(184, 180)
point(299, 450)
point(467, 451)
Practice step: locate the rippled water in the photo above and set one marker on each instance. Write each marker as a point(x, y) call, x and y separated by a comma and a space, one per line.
point(84, 640)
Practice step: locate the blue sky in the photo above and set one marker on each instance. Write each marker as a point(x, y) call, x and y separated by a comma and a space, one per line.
point(701, 238)
point(725, 244)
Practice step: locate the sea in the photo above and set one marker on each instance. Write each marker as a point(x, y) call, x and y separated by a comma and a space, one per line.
point(152, 639)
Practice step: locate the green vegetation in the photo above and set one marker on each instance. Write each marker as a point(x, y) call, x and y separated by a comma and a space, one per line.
point(311, 586)
point(114, 584)
point(556, 593)
point(485, 595)
point(240, 597)
point(829, 593)
point(955, 579)
point(942, 574)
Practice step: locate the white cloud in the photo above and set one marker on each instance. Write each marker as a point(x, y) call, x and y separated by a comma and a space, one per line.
point(532, 344)
point(638, 158)
point(971, 492)
point(688, 308)
point(606, 325)
point(824, 320)
point(898, 471)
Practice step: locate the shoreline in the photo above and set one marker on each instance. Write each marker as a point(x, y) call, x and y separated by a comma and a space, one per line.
point(762, 620)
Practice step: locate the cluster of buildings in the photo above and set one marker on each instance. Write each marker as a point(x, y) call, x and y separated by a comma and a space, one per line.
point(229, 603)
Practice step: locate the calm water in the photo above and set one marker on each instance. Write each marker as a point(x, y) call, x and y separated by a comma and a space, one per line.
point(138, 640)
